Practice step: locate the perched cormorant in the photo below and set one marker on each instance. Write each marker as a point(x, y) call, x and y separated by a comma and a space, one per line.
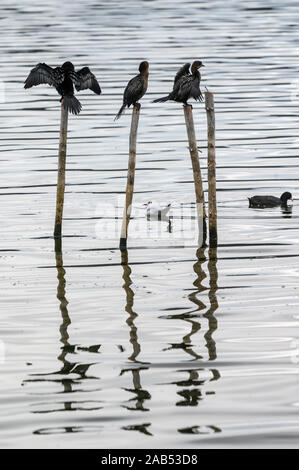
point(63, 79)
point(135, 88)
point(269, 201)
point(185, 86)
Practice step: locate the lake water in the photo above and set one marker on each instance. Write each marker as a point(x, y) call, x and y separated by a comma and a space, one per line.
point(172, 347)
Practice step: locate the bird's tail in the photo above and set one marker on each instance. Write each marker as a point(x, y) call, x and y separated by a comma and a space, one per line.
point(120, 112)
point(71, 104)
point(161, 100)
point(165, 210)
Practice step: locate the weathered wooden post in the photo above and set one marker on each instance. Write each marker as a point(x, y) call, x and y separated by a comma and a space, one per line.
point(130, 177)
point(209, 102)
point(61, 172)
point(200, 200)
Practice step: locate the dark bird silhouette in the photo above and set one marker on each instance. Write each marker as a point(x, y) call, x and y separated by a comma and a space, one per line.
point(269, 201)
point(135, 88)
point(63, 79)
point(186, 85)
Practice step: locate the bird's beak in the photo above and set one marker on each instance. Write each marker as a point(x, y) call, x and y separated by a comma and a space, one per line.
point(145, 204)
point(202, 65)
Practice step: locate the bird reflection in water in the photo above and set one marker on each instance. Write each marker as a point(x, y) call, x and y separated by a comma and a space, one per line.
point(200, 430)
point(140, 395)
point(287, 211)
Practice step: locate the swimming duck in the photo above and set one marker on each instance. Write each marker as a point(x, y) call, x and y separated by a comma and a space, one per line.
point(270, 201)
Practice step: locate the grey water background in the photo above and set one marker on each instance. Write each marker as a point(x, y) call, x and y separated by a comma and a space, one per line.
point(176, 347)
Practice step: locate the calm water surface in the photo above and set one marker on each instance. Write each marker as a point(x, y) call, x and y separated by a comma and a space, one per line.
point(171, 347)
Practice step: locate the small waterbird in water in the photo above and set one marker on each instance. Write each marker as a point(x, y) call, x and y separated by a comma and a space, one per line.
point(270, 201)
point(63, 79)
point(155, 212)
point(135, 88)
point(186, 85)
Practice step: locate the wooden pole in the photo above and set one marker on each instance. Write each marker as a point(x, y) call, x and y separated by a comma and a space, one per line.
point(200, 200)
point(61, 171)
point(130, 177)
point(209, 101)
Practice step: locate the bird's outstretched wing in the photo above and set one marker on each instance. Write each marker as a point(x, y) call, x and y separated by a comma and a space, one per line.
point(84, 79)
point(43, 73)
point(195, 91)
point(184, 70)
point(182, 88)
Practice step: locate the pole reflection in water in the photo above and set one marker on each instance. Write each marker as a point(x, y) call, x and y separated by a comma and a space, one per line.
point(186, 344)
point(67, 367)
point(192, 389)
point(66, 321)
point(129, 306)
point(139, 395)
point(200, 306)
point(194, 386)
point(213, 278)
point(69, 384)
point(70, 367)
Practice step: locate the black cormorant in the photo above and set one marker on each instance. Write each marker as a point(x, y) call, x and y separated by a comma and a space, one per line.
point(63, 79)
point(135, 88)
point(185, 86)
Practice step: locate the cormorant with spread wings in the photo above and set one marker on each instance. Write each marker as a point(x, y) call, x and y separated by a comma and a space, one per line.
point(185, 85)
point(182, 72)
point(63, 79)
